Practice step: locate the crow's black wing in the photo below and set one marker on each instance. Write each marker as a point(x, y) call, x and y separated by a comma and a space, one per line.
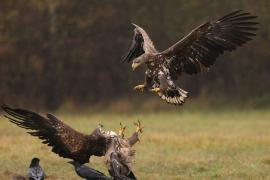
point(90, 173)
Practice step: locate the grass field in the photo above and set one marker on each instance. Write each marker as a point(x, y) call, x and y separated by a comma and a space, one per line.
point(228, 144)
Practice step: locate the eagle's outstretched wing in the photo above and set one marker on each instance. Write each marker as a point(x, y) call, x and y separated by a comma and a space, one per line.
point(201, 47)
point(65, 141)
point(141, 43)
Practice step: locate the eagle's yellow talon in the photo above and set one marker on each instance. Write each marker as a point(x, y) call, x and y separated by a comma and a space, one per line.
point(121, 131)
point(156, 90)
point(139, 126)
point(139, 87)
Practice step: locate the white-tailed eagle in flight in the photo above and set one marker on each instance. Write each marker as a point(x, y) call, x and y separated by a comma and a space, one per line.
point(194, 53)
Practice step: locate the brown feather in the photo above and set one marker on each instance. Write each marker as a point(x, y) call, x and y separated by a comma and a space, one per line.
point(64, 140)
point(202, 46)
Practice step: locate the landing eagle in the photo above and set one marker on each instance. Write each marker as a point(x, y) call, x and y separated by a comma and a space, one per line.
point(194, 53)
point(69, 143)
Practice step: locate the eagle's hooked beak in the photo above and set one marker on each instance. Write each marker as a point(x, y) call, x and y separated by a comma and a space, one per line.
point(135, 65)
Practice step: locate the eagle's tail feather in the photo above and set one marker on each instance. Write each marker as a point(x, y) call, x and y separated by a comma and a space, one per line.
point(174, 96)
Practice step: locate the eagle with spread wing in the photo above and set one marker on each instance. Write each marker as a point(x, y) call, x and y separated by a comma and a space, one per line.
point(194, 53)
point(69, 143)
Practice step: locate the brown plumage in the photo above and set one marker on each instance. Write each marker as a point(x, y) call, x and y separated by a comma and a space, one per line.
point(69, 143)
point(65, 141)
point(194, 53)
point(119, 157)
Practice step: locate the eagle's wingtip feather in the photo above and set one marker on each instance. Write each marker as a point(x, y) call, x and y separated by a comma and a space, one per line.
point(4, 107)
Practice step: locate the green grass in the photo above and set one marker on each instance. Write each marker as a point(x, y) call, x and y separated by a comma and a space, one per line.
point(190, 144)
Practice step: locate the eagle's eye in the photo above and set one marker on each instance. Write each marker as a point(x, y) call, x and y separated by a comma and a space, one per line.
point(137, 61)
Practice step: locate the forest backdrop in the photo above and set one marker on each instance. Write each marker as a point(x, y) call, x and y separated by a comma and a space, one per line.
point(58, 51)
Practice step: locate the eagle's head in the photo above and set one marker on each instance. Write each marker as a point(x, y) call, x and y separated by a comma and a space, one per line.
point(139, 61)
point(111, 133)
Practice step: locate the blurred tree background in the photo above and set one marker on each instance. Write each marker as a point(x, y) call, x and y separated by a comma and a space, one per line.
point(58, 51)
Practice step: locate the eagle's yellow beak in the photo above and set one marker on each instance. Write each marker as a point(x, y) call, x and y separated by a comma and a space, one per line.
point(134, 66)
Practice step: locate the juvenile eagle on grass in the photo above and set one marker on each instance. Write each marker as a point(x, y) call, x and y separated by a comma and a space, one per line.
point(194, 53)
point(69, 143)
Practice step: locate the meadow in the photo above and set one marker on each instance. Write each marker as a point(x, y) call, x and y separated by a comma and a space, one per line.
point(190, 144)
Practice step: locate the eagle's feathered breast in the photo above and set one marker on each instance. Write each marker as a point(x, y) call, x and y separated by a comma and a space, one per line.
point(154, 65)
point(157, 66)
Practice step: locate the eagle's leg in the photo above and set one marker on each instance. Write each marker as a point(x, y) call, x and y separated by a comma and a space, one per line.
point(121, 131)
point(147, 83)
point(135, 136)
point(163, 83)
point(156, 90)
point(139, 126)
point(140, 87)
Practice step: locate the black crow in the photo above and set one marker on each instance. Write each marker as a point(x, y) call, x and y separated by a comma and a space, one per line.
point(35, 171)
point(88, 173)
